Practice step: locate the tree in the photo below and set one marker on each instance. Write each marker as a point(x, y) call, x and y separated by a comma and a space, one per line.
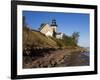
point(54, 33)
point(75, 36)
point(42, 24)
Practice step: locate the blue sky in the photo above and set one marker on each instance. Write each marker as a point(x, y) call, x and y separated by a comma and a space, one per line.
point(67, 23)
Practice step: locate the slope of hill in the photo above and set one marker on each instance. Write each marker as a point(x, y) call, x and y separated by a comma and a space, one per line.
point(33, 38)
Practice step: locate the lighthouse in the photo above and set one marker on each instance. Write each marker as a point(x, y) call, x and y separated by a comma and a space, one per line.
point(54, 25)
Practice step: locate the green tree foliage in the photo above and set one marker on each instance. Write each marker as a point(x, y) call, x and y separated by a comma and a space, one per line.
point(68, 41)
point(75, 36)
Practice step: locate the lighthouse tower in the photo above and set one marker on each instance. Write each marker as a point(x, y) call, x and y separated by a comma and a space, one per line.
point(54, 25)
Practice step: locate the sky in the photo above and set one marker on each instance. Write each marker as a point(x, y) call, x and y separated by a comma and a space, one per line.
point(67, 23)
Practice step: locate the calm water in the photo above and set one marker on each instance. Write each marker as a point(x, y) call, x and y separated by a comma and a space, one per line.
point(85, 56)
point(86, 53)
point(77, 59)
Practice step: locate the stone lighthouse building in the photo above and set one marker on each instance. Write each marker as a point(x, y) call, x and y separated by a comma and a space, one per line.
point(51, 30)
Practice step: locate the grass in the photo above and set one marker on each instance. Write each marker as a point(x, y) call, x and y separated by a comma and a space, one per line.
point(33, 38)
point(36, 39)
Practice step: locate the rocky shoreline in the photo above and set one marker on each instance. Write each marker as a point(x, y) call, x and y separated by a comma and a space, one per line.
point(56, 58)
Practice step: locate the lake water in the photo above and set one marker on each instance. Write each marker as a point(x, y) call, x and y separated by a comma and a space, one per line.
point(77, 59)
point(86, 53)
